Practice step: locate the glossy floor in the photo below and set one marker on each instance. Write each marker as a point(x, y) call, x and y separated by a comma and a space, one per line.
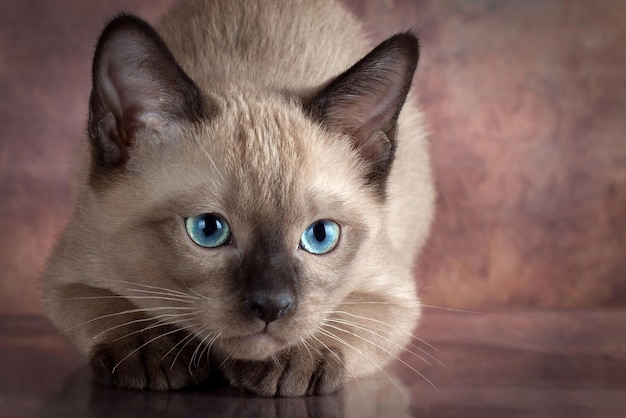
point(512, 364)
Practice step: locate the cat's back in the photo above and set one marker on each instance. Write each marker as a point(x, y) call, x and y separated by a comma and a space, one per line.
point(278, 44)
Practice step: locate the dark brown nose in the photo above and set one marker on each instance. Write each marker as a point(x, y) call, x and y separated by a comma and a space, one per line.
point(269, 309)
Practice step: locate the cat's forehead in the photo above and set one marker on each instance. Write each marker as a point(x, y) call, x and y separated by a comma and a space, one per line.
point(269, 136)
point(261, 153)
point(268, 142)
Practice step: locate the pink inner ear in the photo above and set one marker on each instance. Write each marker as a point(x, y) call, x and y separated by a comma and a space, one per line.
point(128, 87)
point(375, 148)
point(373, 110)
point(367, 98)
point(136, 81)
point(365, 101)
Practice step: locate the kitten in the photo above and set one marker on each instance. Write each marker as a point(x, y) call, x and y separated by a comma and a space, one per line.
point(251, 204)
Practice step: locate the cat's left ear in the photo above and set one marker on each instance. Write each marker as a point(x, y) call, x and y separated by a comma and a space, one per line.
point(365, 101)
point(137, 85)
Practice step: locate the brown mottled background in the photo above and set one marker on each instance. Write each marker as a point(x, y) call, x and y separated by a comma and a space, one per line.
point(526, 103)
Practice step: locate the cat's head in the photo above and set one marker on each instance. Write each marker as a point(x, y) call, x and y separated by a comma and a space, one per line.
point(259, 210)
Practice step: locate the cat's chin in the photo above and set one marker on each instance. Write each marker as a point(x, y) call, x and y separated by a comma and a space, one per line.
point(258, 346)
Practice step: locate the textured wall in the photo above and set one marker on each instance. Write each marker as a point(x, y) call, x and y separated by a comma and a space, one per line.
point(527, 105)
point(526, 102)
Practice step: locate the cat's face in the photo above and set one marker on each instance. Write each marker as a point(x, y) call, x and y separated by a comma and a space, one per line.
point(267, 173)
point(250, 213)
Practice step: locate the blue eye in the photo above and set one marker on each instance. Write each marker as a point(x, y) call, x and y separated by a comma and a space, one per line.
point(320, 237)
point(208, 230)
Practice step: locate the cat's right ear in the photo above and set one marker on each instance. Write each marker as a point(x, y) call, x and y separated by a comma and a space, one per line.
point(365, 102)
point(137, 84)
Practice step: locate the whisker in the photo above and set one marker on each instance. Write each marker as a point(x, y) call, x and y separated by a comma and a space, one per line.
point(152, 326)
point(166, 294)
point(435, 359)
point(189, 338)
point(450, 309)
point(190, 335)
point(120, 297)
point(129, 311)
point(329, 350)
point(383, 349)
point(143, 345)
point(207, 348)
point(204, 150)
point(306, 345)
point(420, 286)
point(380, 302)
point(136, 321)
point(144, 329)
point(278, 363)
point(202, 297)
point(405, 333)
point(151, 287)
point(355, 325)
point(336, 355)
point(195, 352)
point(386, 324)
point(414, 302)
point(423, 342)
point(359, 317)
point(347, 344)
point(225, 361)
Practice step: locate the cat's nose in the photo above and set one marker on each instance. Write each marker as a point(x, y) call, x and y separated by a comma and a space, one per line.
point(269, 308)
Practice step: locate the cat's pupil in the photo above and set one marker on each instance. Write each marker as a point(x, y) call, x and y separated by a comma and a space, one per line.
point(319, 231)
point(210, 224)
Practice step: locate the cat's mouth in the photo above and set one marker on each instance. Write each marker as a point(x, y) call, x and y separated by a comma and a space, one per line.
point(245, 339)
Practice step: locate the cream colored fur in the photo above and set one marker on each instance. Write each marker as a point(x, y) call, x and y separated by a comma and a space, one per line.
point(244, 54)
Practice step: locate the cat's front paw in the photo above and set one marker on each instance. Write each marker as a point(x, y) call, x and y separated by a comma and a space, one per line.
point(157, 359)
point(296, 372)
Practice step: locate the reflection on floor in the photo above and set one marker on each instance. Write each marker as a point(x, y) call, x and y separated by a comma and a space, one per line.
point(529, 363)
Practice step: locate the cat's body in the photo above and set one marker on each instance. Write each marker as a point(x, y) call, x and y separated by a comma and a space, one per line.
point(260, 138)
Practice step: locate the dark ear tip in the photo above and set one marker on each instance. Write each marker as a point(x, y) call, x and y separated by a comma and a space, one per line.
point(407, 38)
point(406, 42)
point(124, 21)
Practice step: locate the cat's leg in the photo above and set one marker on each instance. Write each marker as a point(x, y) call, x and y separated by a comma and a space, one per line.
point(304, 369)
point(128, 346)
